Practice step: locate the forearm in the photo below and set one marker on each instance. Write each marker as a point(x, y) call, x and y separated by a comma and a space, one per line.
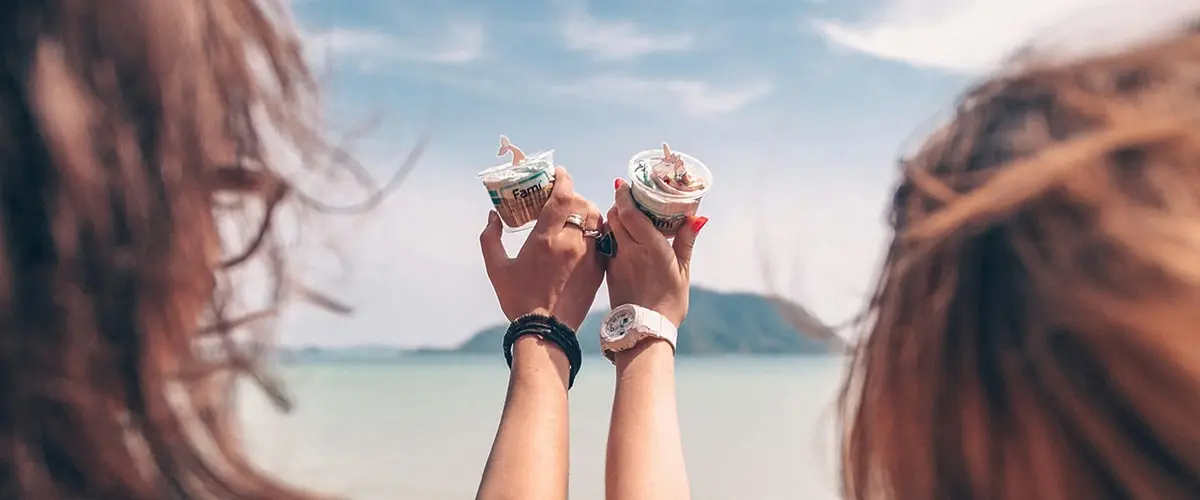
point(529, 458)
point(645, 450)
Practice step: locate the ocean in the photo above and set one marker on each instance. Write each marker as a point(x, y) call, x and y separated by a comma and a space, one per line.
point(754, 428)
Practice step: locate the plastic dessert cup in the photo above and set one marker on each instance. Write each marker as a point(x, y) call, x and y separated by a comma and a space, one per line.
point(520, 188)
point(667, 210)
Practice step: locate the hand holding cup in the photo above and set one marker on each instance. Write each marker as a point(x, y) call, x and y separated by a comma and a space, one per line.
point(557, 271)
point(647, 270)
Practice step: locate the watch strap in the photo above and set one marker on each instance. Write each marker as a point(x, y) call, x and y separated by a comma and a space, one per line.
point(647, 324)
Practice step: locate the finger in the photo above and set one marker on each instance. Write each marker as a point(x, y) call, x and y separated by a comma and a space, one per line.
point(494, 255)
point(636, 223)
point(616, 226)
point(685, 241)
point(558, 207)
point(594, 224)
point(596, 219)
point(593, 219)
point(582, 207)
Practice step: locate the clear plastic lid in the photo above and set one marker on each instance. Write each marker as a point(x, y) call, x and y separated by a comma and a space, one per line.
point(532, 164)
point(520, 167)
point(670, 174)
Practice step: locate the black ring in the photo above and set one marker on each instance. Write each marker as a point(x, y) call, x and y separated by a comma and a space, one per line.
point(607, 245)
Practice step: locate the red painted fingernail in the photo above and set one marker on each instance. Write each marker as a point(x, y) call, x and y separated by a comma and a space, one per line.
point(617, 183)
point(698, 224)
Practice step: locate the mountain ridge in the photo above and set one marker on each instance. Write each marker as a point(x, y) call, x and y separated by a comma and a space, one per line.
point(717, 323)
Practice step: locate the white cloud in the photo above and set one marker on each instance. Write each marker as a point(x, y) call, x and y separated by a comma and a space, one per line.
point(466, 44)
point(618, 40)
point(693, 97)
point(458, 43)
point(975, 36)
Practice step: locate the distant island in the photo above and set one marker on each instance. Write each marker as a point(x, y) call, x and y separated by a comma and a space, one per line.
point(717, 324)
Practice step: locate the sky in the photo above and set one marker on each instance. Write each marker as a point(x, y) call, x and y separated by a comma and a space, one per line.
point(800, 108)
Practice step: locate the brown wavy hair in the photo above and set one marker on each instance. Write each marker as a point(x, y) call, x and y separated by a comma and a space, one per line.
point(136, 182)
point(1036, 330)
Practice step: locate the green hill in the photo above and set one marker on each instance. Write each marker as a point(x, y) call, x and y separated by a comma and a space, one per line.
point(717, 323)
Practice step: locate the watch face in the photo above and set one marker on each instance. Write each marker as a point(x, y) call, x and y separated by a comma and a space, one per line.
point(617, 324)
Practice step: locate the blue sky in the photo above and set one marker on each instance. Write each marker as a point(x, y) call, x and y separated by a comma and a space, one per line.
point(800, 109)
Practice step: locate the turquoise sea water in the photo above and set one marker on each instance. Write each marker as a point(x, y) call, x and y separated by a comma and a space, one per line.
point(421, 428)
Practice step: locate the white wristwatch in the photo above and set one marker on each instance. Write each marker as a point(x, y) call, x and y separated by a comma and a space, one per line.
point(629, 324)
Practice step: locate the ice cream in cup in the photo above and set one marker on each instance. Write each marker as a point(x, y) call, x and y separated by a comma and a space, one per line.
point(667, 186)
point(519, 189)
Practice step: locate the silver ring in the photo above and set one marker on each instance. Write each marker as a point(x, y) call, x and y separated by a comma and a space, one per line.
point(578, 221)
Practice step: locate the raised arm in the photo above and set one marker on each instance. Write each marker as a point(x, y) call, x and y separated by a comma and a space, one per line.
point(648, 283)
point(529, 457)
point(645, 450)
point(553, 279)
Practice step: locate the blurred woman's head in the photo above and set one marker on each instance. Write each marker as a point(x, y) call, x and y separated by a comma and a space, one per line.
point(1036, 328)
point(128, 128)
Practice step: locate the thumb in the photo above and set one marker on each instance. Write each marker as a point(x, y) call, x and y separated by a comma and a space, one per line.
point(685, 240)
point(494, 254)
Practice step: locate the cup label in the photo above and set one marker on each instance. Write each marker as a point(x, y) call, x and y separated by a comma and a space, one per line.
point(666, 224)
point(520, 202)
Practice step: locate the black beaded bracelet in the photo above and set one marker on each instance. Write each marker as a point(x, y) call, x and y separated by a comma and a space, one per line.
point(550, 329)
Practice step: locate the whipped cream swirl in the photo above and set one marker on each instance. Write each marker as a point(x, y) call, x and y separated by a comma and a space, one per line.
point(668, 174)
